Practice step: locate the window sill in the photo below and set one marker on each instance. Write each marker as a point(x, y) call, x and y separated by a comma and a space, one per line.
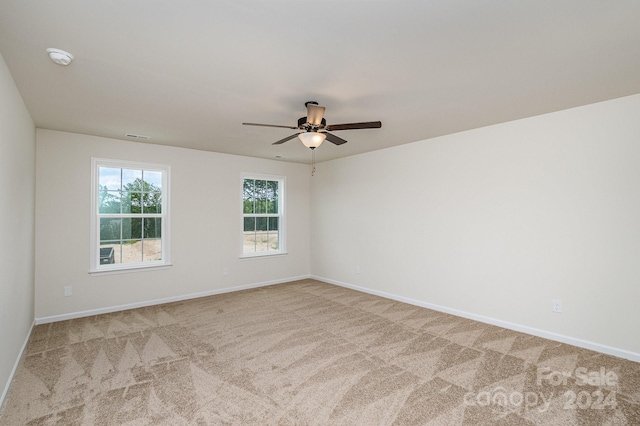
point(263, 255)
point(129, 269)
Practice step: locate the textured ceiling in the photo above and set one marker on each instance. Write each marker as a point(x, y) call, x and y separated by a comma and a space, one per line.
point(188, 73)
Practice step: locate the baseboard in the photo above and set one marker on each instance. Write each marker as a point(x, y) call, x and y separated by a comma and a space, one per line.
point(621, 353)
point(99, 311)
point(15, 366)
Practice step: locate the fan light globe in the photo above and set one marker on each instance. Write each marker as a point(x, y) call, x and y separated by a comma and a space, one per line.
point(312, 139)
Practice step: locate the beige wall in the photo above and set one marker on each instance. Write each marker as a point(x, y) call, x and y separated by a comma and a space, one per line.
point(496, 222)
point(206, 225)
point(17, 192)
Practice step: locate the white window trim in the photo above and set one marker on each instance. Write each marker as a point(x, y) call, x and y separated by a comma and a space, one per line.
point(94, 253)
point(281, 223)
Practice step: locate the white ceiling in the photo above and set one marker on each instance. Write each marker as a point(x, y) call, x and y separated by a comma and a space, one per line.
point(188, 73)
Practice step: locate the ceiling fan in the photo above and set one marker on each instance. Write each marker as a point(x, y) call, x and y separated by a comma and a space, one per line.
point(315, 129)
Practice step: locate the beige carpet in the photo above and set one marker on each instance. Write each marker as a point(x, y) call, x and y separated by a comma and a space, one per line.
point(310, 353)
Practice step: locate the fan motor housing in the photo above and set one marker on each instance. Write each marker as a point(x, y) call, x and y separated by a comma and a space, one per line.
point(302, 121)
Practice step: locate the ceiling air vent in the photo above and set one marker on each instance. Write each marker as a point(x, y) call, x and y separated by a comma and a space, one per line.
point(138, 137)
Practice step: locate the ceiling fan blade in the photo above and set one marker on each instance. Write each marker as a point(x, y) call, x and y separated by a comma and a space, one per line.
point(270, 125)
point(314, 114)
point(350, 126)
point(334, 139)
point(288, 138)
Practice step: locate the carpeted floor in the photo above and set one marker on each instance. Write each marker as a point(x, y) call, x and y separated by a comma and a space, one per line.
point(310, 353)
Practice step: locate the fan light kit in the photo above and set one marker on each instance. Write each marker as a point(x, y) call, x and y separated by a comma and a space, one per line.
point(315, 129)
point(312, 139)
point(60, 57)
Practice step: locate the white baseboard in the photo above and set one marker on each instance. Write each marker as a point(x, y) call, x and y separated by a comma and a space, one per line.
point(92, 312)
point(621, 353)
point(15, 366)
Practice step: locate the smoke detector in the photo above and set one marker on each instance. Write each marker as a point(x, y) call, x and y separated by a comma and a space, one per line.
point(60, 57)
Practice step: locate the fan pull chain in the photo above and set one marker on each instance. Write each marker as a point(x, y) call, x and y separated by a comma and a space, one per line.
point(313, 162)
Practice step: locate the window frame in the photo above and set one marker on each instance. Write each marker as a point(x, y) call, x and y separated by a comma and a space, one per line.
point(94, 250)
point(281, 215)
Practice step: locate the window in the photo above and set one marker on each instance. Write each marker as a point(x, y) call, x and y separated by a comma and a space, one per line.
point(263, 215)
point(130, 218)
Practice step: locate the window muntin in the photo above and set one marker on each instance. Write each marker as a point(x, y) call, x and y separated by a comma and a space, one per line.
point(130, 215)
point(262, 201)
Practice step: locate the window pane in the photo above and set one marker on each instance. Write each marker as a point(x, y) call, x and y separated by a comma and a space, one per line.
point(249, 243)
point(248, 196)
point(108, 201)
point(249, 236)
point(153, 179)
point(131, 251)
point(274, 243)
point(249, 224)
point(151, 250)
point(261, 196)
point(109, 178)
point(131, 177)
point(262, 240)
point(131, 202)
point(272, 196)
point(131, 228)
point(247, 206)
point(274, 240)
point(152, 202)
point(152, 227)
point(109, 253)
point(110, 229)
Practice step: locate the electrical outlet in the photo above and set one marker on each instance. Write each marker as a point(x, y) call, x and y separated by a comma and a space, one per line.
point(556, 306)
point(68, 290)
point(225, 271)
point(358, 269)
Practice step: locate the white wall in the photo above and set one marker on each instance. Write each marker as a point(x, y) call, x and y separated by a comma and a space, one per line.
point(496, 222)
point(206, 197)
point(17, 192)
